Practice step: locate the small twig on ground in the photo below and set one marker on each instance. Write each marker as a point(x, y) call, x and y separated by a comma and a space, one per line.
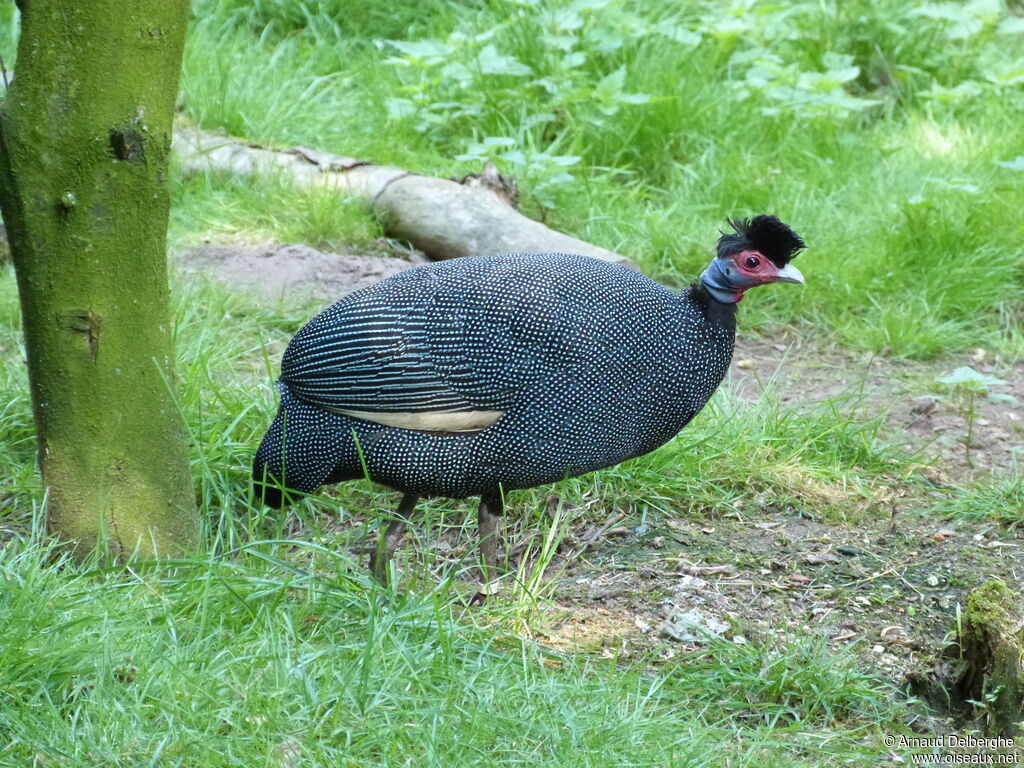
point(590, 537)
point(597, 531)
point(890, 571)
point(704, 570)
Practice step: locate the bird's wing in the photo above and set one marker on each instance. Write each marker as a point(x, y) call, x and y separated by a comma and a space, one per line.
point(368, 357)
point(449, 347)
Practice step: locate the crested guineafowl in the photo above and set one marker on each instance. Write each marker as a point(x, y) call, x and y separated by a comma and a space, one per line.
point(486, 374)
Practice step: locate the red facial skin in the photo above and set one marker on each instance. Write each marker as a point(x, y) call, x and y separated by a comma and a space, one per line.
point(755, 267)
point(750, 274)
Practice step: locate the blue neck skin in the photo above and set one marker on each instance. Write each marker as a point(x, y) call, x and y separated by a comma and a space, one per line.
point(721, 286)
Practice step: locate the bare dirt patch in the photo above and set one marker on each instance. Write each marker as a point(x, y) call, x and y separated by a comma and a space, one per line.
point(890, 590)
point(921, 413)
point(295, 274)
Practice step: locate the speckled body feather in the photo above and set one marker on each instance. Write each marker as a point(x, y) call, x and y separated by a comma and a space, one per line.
point(590, 364)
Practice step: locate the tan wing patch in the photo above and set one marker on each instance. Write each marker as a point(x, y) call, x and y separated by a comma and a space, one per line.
point(465, 421)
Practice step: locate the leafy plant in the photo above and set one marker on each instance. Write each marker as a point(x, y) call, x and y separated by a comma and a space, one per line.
point(969, 384)
point(801, 92)
point(541, 169)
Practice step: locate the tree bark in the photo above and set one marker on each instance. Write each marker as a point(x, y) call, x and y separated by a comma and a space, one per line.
point(85, 133)
point(442, 218)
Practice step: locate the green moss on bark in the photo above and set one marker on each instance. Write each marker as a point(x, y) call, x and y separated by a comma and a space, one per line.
point(992, 649)
point(84, 143)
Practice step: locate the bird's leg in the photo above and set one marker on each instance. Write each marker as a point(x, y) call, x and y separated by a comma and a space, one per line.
point(489, 516)
point(384, 552)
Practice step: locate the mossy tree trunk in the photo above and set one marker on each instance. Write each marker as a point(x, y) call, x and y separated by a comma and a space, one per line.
point(85, 133)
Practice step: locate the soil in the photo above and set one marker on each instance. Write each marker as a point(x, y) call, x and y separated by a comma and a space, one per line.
point(295, 274)
point(888, 586)
point(922, 414)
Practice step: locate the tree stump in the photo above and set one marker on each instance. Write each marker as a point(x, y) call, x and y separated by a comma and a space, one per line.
point(991, 646)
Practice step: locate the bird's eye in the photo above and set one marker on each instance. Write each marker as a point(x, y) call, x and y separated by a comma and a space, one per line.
point(752, 262)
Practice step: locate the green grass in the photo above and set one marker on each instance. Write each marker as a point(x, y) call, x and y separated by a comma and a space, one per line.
point(996, 498)
point(270, 208)
point(249, 660)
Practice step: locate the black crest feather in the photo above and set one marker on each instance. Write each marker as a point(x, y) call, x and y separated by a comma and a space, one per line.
point(762, 233)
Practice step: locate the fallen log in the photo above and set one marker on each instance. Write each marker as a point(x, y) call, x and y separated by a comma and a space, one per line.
point(441, 217)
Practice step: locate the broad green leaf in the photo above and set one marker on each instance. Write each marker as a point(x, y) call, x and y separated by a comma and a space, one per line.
point(828, 81)
point(421, 49)
point(457, 72)
point(559, 42)
point(1012, 25)
point(493, 63)
point(945, 11)
point(761, 56)
point(399, 108)
point(843, 75)
point(961, 30)
point(759, 77)
point(608, 93)
point(1017, 164)
point(985, 9)
point(967, 376)
point(604, 40)
point(609, 88)
point(725, 26)
point(574, 60)
point(834, 60)
point(843, 100)
point(515, 157)
point(678, 33)
point(565, 20)
point(552, 86)
point(482, 37)
point(1002, 397)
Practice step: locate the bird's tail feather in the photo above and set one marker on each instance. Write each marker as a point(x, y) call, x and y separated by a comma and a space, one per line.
point(304, 448)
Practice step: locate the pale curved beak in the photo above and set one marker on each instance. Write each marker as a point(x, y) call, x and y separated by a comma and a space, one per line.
point(790, 274)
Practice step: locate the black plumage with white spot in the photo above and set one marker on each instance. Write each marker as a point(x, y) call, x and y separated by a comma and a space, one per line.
point(492, 373)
